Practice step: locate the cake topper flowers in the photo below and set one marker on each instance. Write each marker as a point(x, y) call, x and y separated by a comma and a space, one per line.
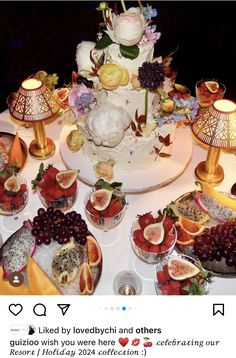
point(81, 99)
point(128, 29)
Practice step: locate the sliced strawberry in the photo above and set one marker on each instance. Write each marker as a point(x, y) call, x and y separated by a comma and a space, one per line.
point(138, 235)
point(175, 284)
point(144, 247)
point(174, 291)
point(168, 224)
point(6, 198)
point(165, 269)
point(115, 207)
point(162, 277)
point(1, 190)
point(145, 220)
point(18, 201)
point(91, 209)
point(23, 188)
point(169, 240)
point(154, 249)
point(6, 206)
point(165, 289)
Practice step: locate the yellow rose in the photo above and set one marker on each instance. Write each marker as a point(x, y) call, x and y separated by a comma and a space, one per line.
point(110, 76)
point(125, 77)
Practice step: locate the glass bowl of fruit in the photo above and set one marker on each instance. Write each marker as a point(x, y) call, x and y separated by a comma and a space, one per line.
point(13, 194)
point(181, 275)
point(208, 91)
point(153, 237)
point(57, 189)
point(105, 205)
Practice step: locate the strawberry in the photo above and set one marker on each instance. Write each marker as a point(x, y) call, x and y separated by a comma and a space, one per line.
point(162, 277)
point(175, 284)
point(6, 206)
point(165, 269)
point(115, 207)
point(46, 182)
point(91, 209)
point(1, 190)
point(18, 201)
point(138, 235)
point(6, 198)
point(174, 291)
point(145, 220)
point(71, 190)
point(168, 240)
point(168, 224)
point(154, 249)
point(165, 289)
point(23, 188)
point(144, 247)
point(51, 172)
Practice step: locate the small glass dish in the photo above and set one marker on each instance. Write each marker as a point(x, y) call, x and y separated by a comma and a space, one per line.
point(205, 97)
point(127, 283)
point(64, 201)
point(151, 257)
point(100, 221)
point(13, 202)
point(160, 287)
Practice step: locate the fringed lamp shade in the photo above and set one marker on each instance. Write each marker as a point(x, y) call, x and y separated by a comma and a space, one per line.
point(33, 102)
point(216, 126)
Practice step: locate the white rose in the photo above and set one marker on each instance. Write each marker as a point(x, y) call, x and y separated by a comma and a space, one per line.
point(129, 27)
point(83, 60)
point(106, 124)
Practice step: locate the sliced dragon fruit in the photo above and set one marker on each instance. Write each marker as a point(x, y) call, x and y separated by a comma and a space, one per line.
point(213, 208)
point(15, 252)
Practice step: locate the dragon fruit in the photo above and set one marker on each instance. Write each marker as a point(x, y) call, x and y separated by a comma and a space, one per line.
point(213, 208)
point(181, 209)
point(16, 250)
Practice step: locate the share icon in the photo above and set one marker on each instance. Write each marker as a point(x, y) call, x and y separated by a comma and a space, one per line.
point(64, 308)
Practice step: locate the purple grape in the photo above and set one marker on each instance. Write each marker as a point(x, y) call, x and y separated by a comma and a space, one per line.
point(47, 241)
point(41, 211)
point(83, 240)
point(39, 241)
point(35, 232)
point(50, 210)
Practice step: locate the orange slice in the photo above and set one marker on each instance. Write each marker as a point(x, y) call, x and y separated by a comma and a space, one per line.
point(86, 282)
point(184, 238)
point(94, 251)
point(190, 227)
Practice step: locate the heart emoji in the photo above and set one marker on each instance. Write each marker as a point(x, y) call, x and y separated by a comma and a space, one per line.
point(15, 309)
point(123, 341)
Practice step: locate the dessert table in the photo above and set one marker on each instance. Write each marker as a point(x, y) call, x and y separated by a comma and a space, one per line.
point(117, 251)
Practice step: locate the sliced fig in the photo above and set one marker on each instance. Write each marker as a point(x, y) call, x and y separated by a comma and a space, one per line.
point(154, 233)
point(212, 86)
point(65, 178)
point(61, 93)
point(12, 184)
point(100, 199)
point(180, 269)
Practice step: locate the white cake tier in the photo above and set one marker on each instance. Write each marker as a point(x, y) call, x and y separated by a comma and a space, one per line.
point(133, 152)
point(130, 100)
point(113, 55)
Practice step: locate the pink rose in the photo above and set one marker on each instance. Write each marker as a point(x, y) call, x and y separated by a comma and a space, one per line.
point(129, 27)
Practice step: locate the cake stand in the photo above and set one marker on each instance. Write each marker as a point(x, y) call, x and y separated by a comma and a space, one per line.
point(135, 181)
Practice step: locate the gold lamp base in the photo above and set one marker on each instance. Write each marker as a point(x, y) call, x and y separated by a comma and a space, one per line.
point(42, 153)
point(212, 178)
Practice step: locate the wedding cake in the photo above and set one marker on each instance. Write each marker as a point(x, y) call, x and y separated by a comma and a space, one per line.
point(130, 119)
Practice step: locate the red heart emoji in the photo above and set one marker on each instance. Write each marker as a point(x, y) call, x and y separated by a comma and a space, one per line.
point(123, 341)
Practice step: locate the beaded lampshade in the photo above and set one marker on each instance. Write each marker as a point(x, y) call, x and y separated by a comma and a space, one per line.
point(34, 102)
point(215, 126)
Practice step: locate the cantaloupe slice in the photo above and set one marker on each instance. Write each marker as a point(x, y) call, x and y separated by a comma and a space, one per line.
point(39, 282)
point(7, 289)
point(15, 154)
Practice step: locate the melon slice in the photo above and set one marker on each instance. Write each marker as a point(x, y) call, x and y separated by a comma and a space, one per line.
point(16, 158)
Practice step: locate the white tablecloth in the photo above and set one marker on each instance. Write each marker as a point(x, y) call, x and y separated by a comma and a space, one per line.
point(120, 255)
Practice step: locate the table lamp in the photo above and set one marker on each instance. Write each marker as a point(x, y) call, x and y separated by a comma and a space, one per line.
point(216, 126)
point(34, 103)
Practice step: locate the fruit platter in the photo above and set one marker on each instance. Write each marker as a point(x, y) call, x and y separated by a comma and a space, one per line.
point(55, 252)
point(205, 220)
point(13, 152)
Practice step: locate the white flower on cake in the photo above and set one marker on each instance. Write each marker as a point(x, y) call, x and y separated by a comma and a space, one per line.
point(83, 58)
point(128, 27)
point(106, 124)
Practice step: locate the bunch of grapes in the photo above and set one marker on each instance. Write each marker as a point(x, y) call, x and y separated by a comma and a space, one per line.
point(53, 224)
point(217, 243)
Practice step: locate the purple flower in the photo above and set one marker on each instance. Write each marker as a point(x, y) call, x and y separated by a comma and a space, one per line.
point(151, 75)
point(81, 99)
point(151, 35)
point(149, 12)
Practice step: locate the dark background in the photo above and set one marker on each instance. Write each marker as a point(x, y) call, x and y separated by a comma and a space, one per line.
point(44, 35)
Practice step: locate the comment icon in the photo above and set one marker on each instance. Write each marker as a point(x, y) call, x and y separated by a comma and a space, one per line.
point(39, 310)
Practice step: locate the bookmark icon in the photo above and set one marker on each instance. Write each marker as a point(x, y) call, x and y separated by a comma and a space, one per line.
point(64, 308)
